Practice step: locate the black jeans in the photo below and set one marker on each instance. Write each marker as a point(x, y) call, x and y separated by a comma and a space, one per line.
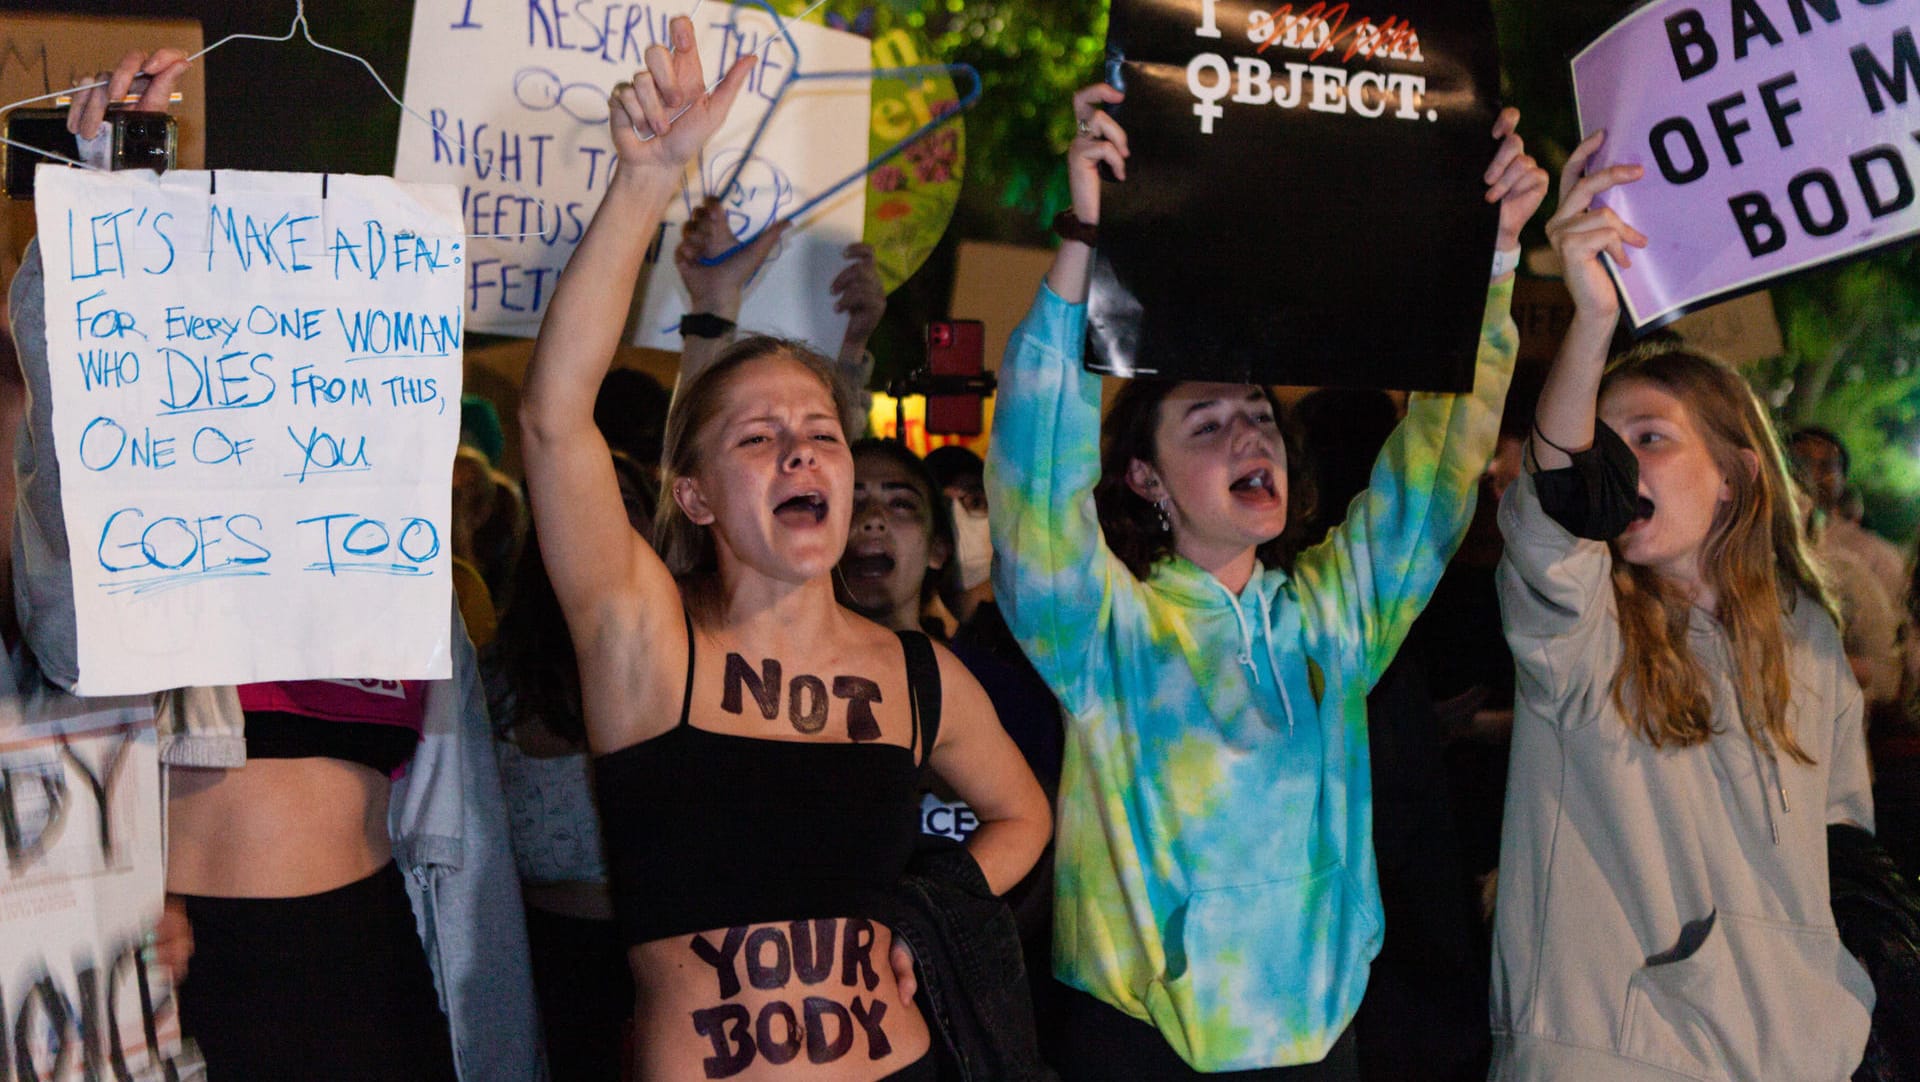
point(1100, 1044)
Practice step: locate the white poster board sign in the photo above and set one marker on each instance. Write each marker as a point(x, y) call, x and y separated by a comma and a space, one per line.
point(256, 384)
point(82, 884)
point(516, 93)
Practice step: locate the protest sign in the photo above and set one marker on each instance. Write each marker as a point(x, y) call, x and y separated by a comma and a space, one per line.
point(1776, 136)
point(80, 811)
point(1304, 201)
point(517, 98)
point(255, 383)
point(911, 199)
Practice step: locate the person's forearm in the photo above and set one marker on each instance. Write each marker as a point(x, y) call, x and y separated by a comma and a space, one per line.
point(1072, 266)
point(588, 314)
point(1564, 417)
point(697, 354)
point(1006, 850)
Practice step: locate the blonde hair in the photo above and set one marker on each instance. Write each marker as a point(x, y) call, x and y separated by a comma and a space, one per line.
point(1755, 559)
point(684, 546)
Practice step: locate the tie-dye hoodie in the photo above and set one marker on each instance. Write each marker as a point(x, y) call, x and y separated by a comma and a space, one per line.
point(1215, 860)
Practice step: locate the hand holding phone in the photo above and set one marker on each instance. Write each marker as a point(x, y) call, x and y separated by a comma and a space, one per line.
point(141, 137)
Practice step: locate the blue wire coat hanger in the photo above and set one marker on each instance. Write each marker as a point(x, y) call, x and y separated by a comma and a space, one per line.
point(966, 102)
point(794, 75)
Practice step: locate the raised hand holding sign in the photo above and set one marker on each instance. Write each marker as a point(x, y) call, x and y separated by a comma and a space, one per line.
point(1304, 201)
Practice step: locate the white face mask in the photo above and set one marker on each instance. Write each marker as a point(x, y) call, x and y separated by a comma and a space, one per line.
point(973, 545)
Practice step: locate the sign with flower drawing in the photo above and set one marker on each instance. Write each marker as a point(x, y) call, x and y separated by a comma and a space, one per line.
point(910, 199)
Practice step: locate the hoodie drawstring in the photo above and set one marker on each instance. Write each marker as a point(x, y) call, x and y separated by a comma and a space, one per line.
point(1245, 656)
point(1779, 784)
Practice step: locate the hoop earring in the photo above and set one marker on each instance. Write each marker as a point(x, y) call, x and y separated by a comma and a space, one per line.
point(1166, 523)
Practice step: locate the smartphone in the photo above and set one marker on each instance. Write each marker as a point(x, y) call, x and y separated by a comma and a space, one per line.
point(141, 140)
point(956, 352)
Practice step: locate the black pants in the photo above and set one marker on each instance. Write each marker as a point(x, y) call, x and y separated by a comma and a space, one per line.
point(1101, 1044)
point(585, 988)
point(326, 987)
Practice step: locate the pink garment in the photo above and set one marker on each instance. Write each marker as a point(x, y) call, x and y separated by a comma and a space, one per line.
point(384, 702)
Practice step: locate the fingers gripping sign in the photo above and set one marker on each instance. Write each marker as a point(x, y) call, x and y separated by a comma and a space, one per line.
point(1582, 231)
point(1514, 180)
point(1100, 139)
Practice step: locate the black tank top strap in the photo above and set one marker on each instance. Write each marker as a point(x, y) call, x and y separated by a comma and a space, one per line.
point(686, 697)
point(923, 686)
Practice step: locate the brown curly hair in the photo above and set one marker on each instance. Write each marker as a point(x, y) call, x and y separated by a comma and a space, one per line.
point(1131, 524)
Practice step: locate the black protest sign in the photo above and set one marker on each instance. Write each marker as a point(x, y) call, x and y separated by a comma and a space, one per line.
point(1304, 201)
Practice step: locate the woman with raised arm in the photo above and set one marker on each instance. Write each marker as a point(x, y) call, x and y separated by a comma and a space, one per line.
point(1686, 724)
point(758, 746)
point(1216, 904)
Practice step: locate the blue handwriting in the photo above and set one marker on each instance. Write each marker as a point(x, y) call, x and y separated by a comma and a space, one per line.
point(351, 540)
point(326, 391)
point(522, 218)
point(613, 37)
point(204, 383)
point(539, 90)
point(324, 452)
point(174, 543)
point(103, 443)
point(492, 151)
point(512, 280)
point(109, 367)
point(109, 324)
point(105, 245)
point(403, 250)
point(412, 391)
point(275, 245)
point(373, 332)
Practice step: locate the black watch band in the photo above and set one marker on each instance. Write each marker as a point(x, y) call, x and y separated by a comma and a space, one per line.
point(1072, 228)
point(704, 325)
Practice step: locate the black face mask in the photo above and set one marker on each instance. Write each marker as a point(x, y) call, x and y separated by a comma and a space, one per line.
point(1599, 495)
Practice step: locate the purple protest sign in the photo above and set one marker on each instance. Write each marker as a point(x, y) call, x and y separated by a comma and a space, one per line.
point(1777, 135)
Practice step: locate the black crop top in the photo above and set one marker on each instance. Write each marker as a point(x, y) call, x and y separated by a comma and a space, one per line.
point(713, 830)
point(279, 734)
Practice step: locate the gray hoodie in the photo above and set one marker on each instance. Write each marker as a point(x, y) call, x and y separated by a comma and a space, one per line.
point(1664, 914)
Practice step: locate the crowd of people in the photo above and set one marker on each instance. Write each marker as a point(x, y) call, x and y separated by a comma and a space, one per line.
point(1522, 736)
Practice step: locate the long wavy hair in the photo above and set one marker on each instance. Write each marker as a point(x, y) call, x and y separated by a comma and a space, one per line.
point(684, 546)
point(1755, 559)
point(1131, 524)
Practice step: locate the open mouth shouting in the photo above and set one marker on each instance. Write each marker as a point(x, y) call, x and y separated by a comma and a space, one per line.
point(806, 509)
point(1256, 488)
point(1642, 512)
point(867, 566)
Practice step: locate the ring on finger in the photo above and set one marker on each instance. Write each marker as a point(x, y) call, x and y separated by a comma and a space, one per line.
point(1083, 126)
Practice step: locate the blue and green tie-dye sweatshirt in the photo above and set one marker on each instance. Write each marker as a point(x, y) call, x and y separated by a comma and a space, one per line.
point(1215, 860)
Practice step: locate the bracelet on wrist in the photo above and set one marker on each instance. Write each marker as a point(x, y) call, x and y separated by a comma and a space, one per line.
point(705, 325)
point(1069, 227)
point(1505, 262)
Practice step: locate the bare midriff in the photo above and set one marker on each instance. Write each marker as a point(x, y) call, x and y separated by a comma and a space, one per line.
point(813, 999)
point(275, 828)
